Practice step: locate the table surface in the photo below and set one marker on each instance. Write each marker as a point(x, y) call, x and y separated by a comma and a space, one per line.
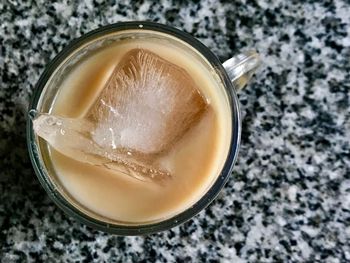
point(289, 196)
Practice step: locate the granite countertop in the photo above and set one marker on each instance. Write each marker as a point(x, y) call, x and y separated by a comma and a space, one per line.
point(289, 196)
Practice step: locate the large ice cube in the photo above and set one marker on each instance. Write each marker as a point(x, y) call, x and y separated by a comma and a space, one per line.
point(146, 106)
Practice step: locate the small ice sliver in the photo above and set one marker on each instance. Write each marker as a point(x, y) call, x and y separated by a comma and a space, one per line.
point(146, 106)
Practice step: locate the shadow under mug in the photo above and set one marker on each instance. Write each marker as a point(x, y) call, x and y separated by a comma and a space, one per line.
point(233, 74)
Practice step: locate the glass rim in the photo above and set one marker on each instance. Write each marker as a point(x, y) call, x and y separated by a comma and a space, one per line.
point(177, 219)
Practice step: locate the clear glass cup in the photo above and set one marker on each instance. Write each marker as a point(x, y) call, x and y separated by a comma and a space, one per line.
point(233, 75)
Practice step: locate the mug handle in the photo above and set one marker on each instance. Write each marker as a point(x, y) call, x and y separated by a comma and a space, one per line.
point(242, 67)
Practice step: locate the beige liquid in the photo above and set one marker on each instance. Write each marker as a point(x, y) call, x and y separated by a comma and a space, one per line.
point(196, 160)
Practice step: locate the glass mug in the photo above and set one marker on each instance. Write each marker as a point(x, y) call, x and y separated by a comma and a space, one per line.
point(233, 75)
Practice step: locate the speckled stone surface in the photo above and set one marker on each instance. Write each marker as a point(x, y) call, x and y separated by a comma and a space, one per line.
point(289, 196)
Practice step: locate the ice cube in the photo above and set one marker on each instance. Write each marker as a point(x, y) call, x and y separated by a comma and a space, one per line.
point(146, 106)
point(72, 137)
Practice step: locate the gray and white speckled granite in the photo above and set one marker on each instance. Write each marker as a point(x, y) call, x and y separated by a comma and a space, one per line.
point(289, 196)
